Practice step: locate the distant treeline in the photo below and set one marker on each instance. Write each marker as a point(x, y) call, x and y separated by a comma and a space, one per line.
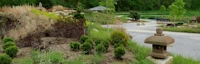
point(120, 5)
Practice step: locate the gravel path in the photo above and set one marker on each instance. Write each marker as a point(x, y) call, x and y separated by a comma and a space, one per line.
point(186, 44)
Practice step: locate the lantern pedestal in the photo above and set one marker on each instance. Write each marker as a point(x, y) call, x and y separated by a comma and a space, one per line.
point(167, 60)
point(159, 55)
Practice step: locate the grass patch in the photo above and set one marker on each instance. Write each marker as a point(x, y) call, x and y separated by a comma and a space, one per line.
point(97, 32)
point(85, 59)
point(100, 18)
point(158, 14)
point(124, 18)
point(182, 29)
point(47, 14)
point(141, 52)
point(178, 59)
point(23, 61)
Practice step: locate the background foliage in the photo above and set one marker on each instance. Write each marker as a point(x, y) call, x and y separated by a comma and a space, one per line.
point(120, 5)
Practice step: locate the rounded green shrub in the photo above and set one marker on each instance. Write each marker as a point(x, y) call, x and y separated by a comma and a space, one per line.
point(119, 37)
point(5, 59)
point(7, 39)
point(100, 49)
point(97, 41)
point(75, 46)
point(118, 45)
point(83, 39)
point(90, 41)
point(105, 44)
point(12, 51)
point(135, 15)
point(87, 47)
point(8, 44)
point(119, 51)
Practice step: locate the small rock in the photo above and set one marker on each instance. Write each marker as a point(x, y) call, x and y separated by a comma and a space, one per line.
point(138, 24)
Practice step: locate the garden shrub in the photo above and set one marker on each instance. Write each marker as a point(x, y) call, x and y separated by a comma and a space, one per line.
point(100, 49)
point(5, 59)
point(119, 37)
point(87, 47)
point(90, 41)
point(135, 15)
point(83, 39)
point(11, 51)
point(7, 39)
point(75, 46)
point(119, 51)
point(97, 41)
point(117, 45)
point(105, 44)
point(8, 44)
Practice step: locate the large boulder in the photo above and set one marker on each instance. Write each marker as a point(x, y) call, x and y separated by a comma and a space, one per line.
point(56, 8)
point(198, 19)
point(1, 10)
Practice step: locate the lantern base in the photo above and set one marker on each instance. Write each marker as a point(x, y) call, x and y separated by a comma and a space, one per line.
point(167, 60)
point(159, 55)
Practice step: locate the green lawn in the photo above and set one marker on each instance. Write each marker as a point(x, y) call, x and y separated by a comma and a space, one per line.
point(184, 29)
point(158, 14)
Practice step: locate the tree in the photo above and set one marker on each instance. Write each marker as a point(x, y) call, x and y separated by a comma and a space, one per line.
point(177, 10)
point(109, 4)
point(163, 9)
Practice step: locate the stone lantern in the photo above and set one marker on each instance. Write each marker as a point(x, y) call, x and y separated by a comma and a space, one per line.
point(160, 43)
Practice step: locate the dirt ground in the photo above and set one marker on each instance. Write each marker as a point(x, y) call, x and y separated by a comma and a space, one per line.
point(64, 47)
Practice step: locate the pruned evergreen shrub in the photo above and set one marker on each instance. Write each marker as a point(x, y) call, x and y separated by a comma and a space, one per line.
point(135, 15)
point(7, 39)
point(75, 46)
point(8, 44)
point(97, 41)
point(11, 51)
point(83, 39)
point(119, 52)
point(90, 41)
point(100, 49)
point(118, 45)
point(119, 37)
point(106, 44)
point(5, 59)
point(87, 47)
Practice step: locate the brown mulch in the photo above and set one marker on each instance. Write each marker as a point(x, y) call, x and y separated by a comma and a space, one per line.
point(62, 45)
